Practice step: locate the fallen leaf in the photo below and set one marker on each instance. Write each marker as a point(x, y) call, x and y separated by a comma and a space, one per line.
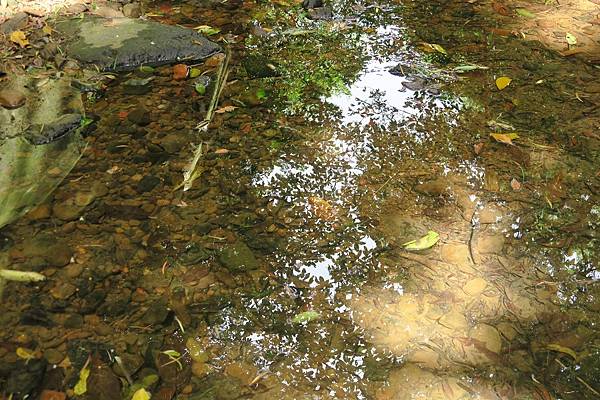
point(225, 109)
point(500, 9)
point(562, 349)
point(502, 82)
point(515, 185)
point(431, 47)
point(47, 30)
point(195, 72)
point(572, 52)
point(19, 38)
point(221, 151)
point(477, 147)
point(468, 68)
point(180, 72)
point(81, 385)
point(25, 354)
point(506, 138)
point(141, 394)
point(571, 39)
point(523, 12)
point(305, 317)
point(200, 88)
point(52, 395)
point(207, 30)
point(423, 243)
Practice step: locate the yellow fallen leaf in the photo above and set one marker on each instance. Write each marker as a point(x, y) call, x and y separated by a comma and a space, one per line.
point(225, 109)
point(19, 38)
point(562, 349)
point(432, 47)
point(47, 30)
point(503, 82)
point(25, 354)
point(81, 385)
point(423, 243)
point(141, 394)
point(506, 138)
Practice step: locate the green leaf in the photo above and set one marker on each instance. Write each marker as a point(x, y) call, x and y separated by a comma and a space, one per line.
point(141, 394)
point(467, 68)
point(439, 48)
point(172, 353)
point(423, 243)
point(571, 39)
point(207, 30)
point(523, 12)
point(81, 385)
point(195, 72)
point(200, 88)
point(261, 94)
point(146, 69)
point(305, 316)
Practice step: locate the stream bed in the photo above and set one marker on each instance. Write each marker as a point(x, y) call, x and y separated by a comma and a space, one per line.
point(342, 134)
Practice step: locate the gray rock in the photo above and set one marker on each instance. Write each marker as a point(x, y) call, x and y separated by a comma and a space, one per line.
point(18, 21)
point(53, 130)
point(132, 10)
point(137, 86)
point(238, 257)
point(123, 44)
point(147, 183)
point(139, 116)
point(11, 99)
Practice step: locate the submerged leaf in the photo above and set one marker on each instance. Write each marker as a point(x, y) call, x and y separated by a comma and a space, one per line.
point(423, 243)
point(81, 385)
point(562, 349)
point(506, 138)
point(502, 82)
point(141, 394)
point(25, 354)
point(305, 316)
point(461, 69)
point(207, 30)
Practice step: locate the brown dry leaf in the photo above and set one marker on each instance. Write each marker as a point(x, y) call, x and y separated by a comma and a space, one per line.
point(501, 9)
point(478, 147)
point(505, 138)
point(19, 38)
point(180, 72)
point(515, 185)
point(221, 151)
point(225, 109)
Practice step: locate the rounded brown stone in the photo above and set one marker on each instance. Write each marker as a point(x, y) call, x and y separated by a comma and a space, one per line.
point(11, 99)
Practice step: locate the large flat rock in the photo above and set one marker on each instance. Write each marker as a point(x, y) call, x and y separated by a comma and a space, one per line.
point(123, 44)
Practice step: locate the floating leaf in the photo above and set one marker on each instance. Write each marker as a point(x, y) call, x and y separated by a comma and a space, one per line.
point(431, 47)
point(180, 72)
point(571, 39)
point(81, 385)
point(502, 82)
point(506, 138)
point(423, 243)
point(305, 317)
point(225, 109)
point(146, 69)
point(141, 394)
point(562, 349)
point(523, 12)
point(195, 72)
point(207, 30)
point(200, 88)
point(461, 69)
point(19, 38)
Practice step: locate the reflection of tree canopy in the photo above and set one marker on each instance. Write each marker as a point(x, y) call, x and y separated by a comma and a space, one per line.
point(318, 58)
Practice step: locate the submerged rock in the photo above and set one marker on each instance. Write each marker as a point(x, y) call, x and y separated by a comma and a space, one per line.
point(238, 257)
point(124, 44)
point(11, 99)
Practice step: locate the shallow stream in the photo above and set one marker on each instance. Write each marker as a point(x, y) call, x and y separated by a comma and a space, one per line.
point(282, 273)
